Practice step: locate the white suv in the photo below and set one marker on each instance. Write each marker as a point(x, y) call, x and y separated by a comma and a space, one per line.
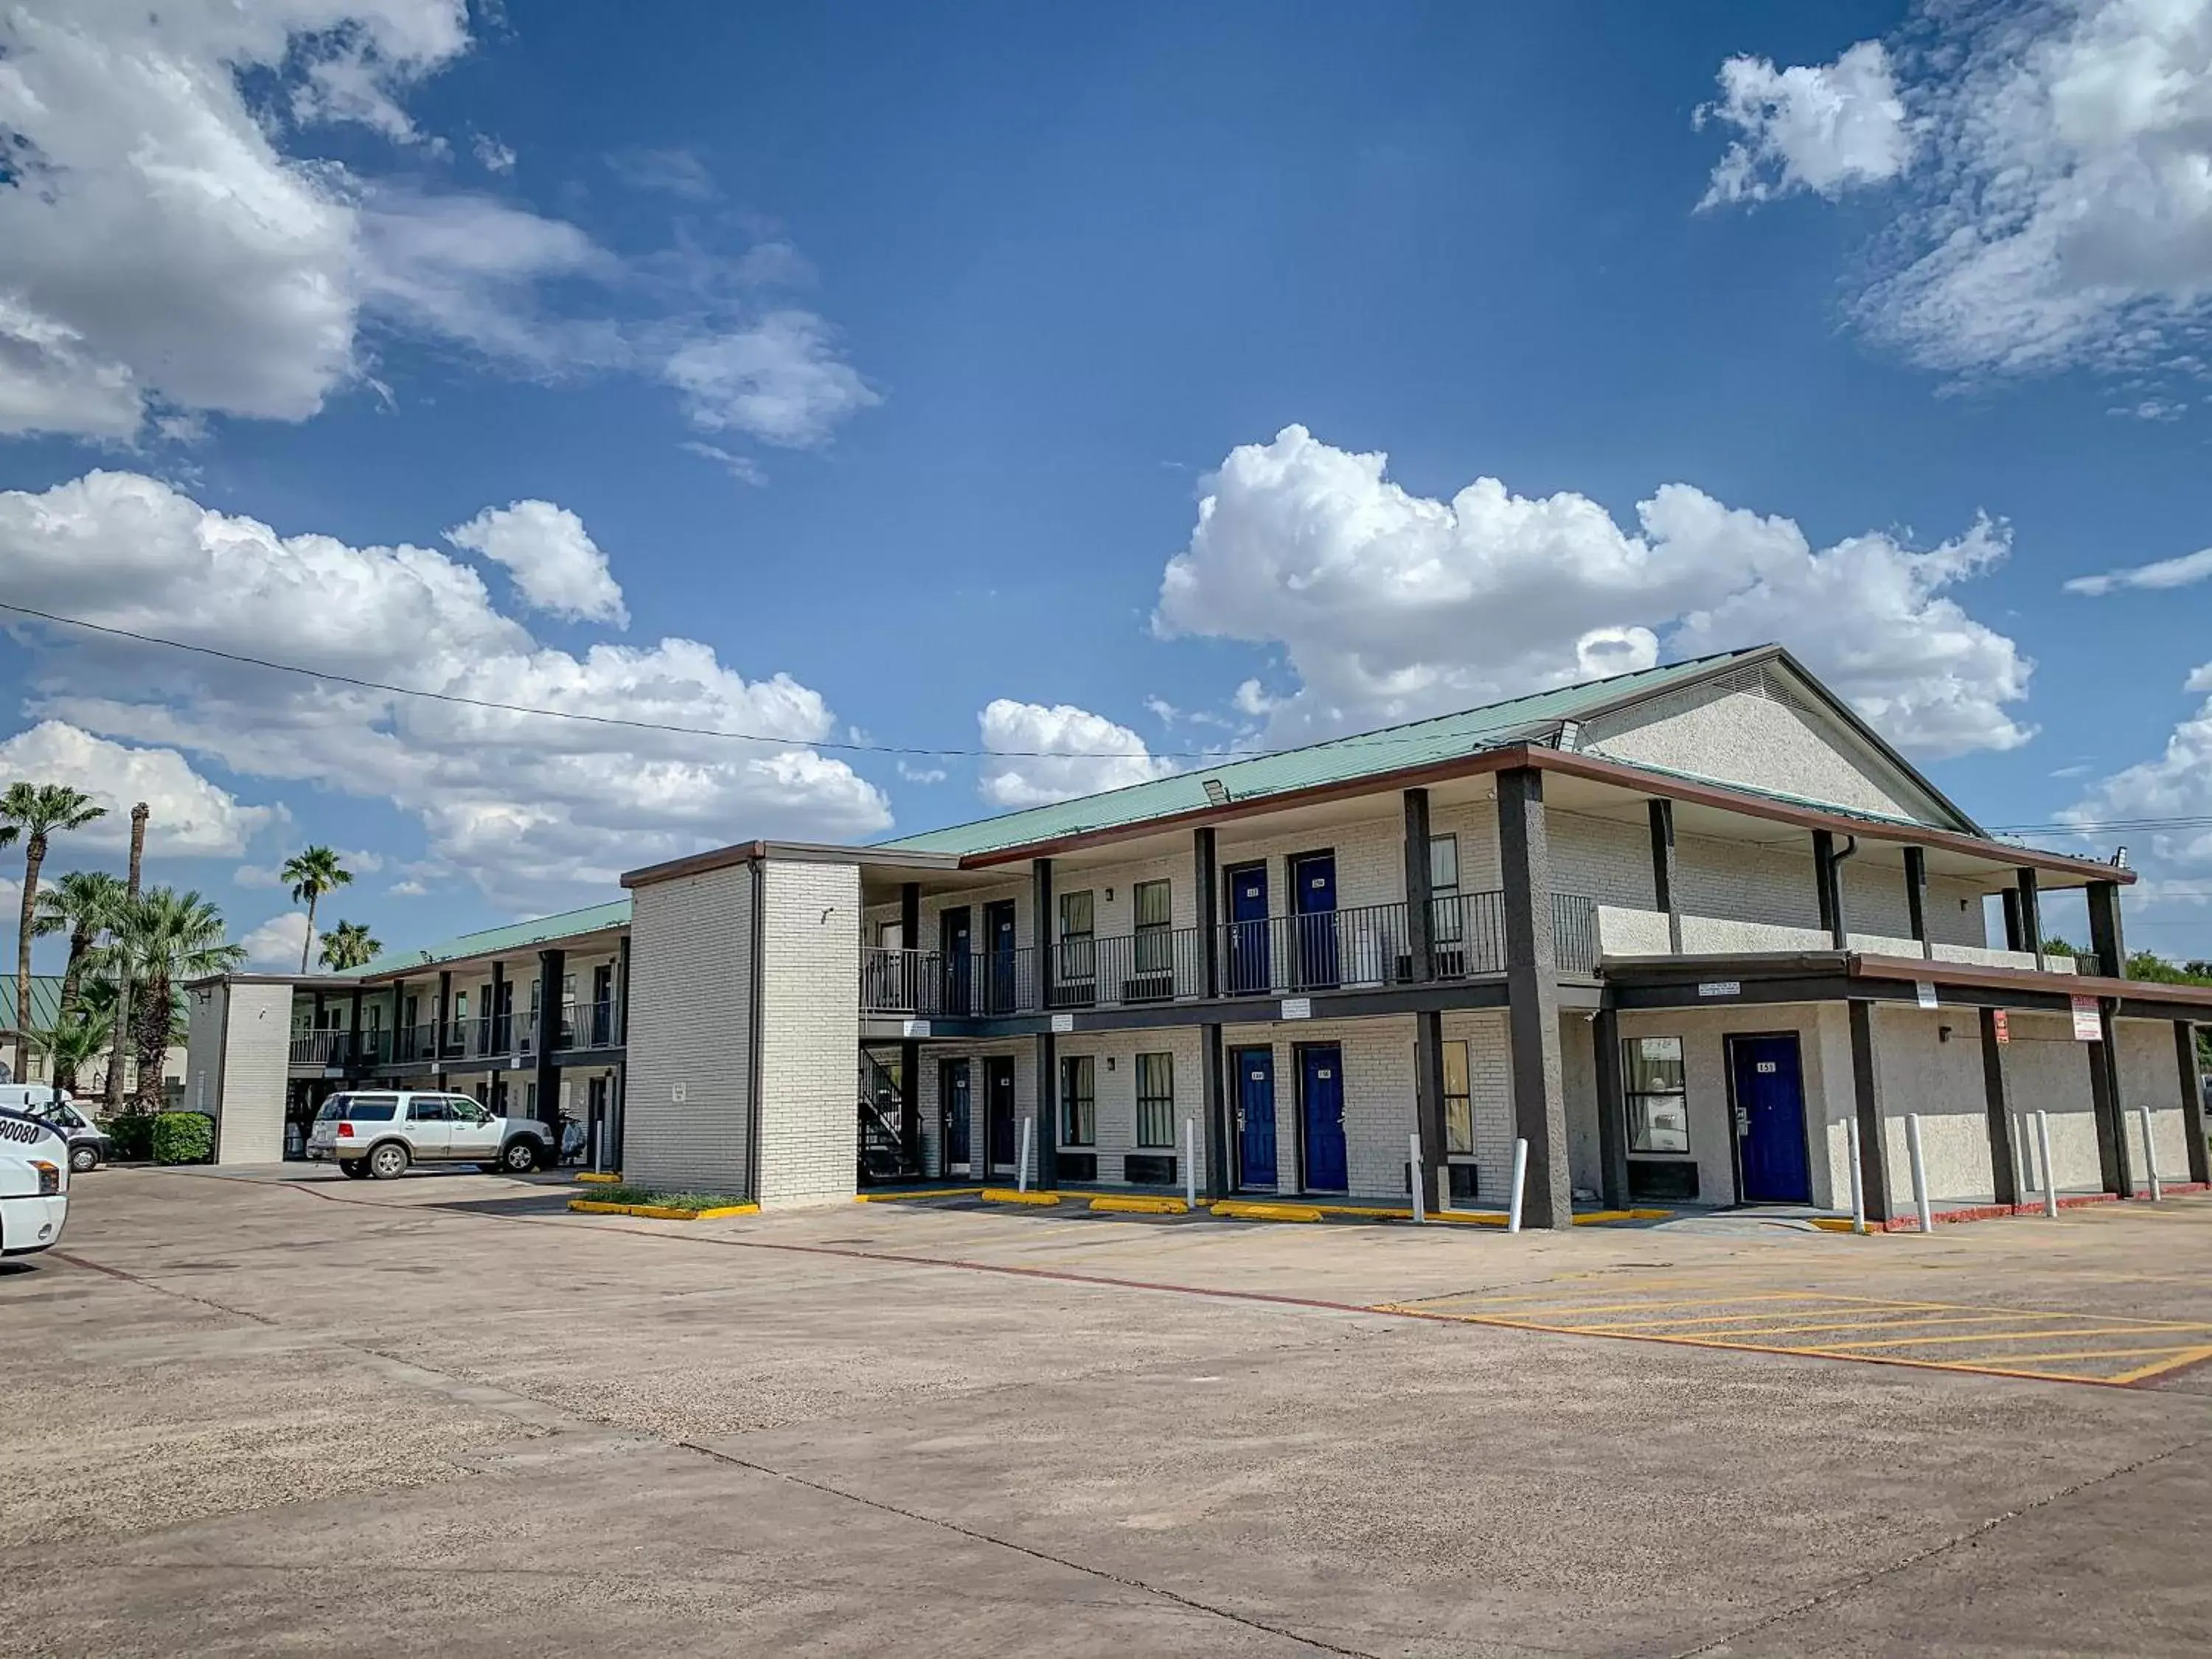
point(379, 1132)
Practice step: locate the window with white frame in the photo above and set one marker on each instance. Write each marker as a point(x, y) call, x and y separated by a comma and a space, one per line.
point(1658, 1096)
point(1156, 1100)
point(1079, 961)
point(1078, 1101)
point(1459, 1101)
point(1443, 889)
point(1155, 927)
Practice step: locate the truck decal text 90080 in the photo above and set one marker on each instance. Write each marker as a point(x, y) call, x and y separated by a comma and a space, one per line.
point(16, 1129)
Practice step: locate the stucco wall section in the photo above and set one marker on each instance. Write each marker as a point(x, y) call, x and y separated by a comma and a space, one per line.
point(2149, 1077)
point(690, 1028)
point(1749, 737)
point(1938, 1078)
point(2049, 1072)
point(810, 1033)
point(257, 1059)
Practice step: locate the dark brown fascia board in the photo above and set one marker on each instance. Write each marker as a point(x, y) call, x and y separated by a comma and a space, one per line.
point(301, 982)
point(416, 970)
point(1544, 758)
point(793, 852)
point(1829, 965)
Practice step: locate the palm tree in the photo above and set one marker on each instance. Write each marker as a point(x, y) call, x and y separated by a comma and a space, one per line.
point(80, 903)
point(313, 873)
point(35, 811)
point(157, 942)
point(349, 945)
point(73, 1045)
point(121, 1022)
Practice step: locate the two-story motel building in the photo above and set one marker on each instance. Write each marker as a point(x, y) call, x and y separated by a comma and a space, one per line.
point(1674, 929)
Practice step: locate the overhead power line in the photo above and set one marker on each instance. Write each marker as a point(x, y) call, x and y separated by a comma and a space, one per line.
point(1375, 740)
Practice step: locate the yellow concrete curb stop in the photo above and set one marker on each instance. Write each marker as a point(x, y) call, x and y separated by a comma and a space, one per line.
point(1140, 1204)
point(1014, 1195)
point(1238, 1210)
point(590, 1179)
point(658, 1212)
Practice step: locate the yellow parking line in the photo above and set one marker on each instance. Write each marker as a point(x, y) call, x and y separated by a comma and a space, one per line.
point(2094, 1353)
point(1565, 1309)
point(1862, 1324)
point(2185, 1357)
point(1989, 1336)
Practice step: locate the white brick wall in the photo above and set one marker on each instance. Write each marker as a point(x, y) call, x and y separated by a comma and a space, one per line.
point(204, 1015)
point(1742, 881)
point(1377, 1060)
point(1115, 1092)
point(810, 1033)
point(1023, 1052)
point(1602, 858)
point(256, 1061)
point(690, 1028)
point(1489, 1084)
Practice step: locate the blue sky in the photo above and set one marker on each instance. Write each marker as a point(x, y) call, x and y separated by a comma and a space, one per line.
point(894, 353)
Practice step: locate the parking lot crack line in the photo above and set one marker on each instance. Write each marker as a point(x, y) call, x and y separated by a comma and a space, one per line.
point(1046, 1556)
point(1942, 1546)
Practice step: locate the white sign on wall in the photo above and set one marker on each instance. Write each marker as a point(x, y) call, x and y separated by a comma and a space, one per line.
point(1925, 993)
point(1297, 1007)
point(1063, 1023)
point(2086, 1026)
point(678, 1092)
point(1721, 987)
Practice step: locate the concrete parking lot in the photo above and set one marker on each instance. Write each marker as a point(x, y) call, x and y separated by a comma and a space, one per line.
point(266, 1411)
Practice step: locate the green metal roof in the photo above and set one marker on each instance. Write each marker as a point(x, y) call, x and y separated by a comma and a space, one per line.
point(45, 1002)
point(492, 941)
point(1340, 759)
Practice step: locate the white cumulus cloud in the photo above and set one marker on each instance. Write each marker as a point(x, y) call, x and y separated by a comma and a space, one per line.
point(1042, 754)
point(2058, 213)
point(1389, 605)
point(1824, 128)
point(187, 816)
point(535, 810)
point(275, 945)
point(2163, 573)
point(556, 566)
point(255, 270)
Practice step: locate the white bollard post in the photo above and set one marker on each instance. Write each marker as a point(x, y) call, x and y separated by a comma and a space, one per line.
point(1858, 1178)
point(1919, 1172)
point(2150, 1156)
point(1022, 1162)
point(2023, 1156)
point(1190, 1162)
point(2050, 1177)
point(1520, 1181)
point(1414, 1170)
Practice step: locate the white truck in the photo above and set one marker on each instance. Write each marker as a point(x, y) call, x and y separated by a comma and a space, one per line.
point(35, 1163)
point(375, 1134)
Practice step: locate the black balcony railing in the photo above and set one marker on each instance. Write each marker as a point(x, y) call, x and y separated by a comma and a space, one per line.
point(1574, 932)
point(1363, 947)
point(1160, 964)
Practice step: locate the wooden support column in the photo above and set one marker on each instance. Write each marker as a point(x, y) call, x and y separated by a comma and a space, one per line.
point(2015, 936)
point(2108, 1102)
point(1532, 991)
point(1915, 897)
point(551, 965)
point(1429, 1107)
point(495, 1038)
point(1996, 1092)
point(1866, 1091)
point(2107, 941)
point(2192, 1100)
point(1048, 1114)
point(1420, 914)
point(1219, 1146)
point(910, 1105)
point(2031, 915)
point(1040, 920)
point(1612, 1108)
point(1828, 890)
point(1665, 895)
point(444, 1019)
point(622, 993)
point(1209, 891)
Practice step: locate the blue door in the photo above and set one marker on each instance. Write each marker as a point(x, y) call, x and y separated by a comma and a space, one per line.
point(1248, 934)
point(955, 960)
point(1313, 882)
point(1256, 1115)
point(1000, 988)
point(952, 1101)
point(1321, 1115)
point(1770, 1107)
point(998, 1131)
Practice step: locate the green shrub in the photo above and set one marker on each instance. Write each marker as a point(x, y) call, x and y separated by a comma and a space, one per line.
point(129, 1137)
point(183, 1138)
